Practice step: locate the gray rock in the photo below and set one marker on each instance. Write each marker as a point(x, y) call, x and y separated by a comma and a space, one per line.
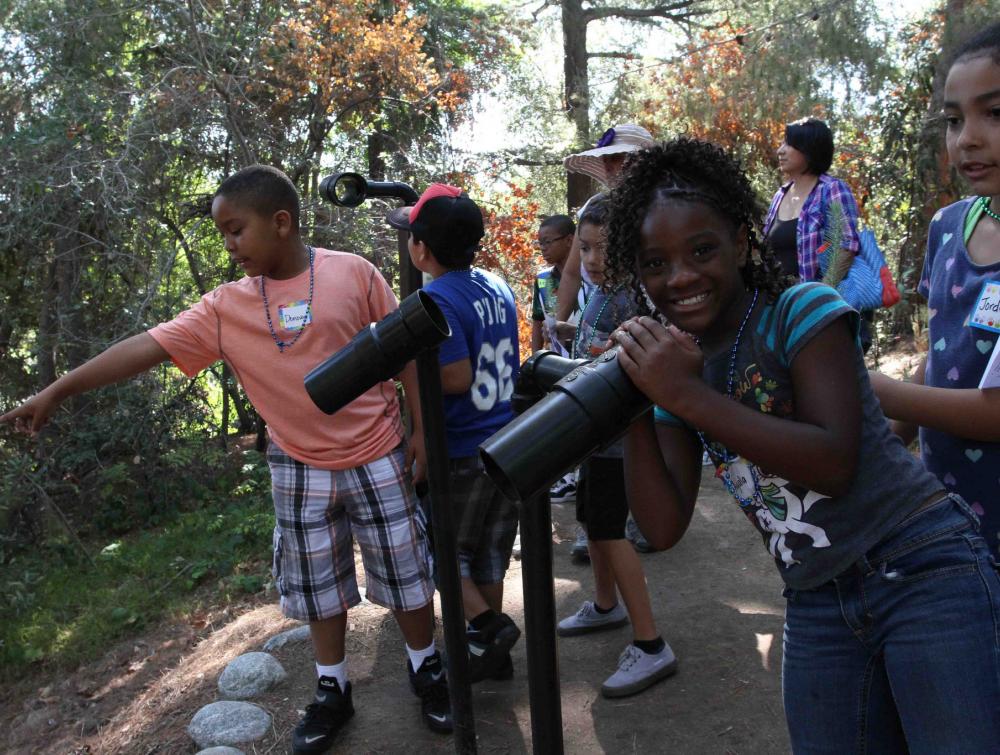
point(249, 675)
point(299, 634)
point(220, 751)
point(30, 726)
point(228, 723)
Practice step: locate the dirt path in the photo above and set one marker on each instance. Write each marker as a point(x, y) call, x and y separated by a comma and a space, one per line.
point(717, 601)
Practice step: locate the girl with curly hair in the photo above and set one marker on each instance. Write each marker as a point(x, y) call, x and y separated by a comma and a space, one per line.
point(877, 559)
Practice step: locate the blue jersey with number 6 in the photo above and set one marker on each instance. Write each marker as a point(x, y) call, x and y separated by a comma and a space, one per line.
point(480, 309)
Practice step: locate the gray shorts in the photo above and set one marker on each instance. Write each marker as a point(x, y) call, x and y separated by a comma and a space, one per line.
point(486, 522)
point(318, 515)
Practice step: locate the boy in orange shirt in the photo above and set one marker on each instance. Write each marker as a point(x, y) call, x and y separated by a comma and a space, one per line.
point(334, 478)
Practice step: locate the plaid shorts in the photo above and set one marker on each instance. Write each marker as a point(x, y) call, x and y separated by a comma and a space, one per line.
point(319, 513)
point(486, 522)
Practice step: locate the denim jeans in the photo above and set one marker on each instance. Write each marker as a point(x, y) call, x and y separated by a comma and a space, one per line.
point(901, 652)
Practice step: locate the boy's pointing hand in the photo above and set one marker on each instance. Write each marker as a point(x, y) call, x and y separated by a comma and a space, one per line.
point(31, 416)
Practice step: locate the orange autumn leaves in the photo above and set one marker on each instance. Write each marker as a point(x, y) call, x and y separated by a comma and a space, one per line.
point(509, 251)
point(711, 94)
point(343, 59)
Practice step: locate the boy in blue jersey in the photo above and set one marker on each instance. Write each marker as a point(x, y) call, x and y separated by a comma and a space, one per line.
point(479, 364)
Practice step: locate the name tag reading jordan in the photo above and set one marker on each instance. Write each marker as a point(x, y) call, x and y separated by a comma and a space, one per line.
point(986, 313)
point(294, 315)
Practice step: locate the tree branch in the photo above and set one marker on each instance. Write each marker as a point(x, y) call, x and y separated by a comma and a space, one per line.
point(536, 163)
point(622, 55)
point(188, 252)
point(671, 11)
point(545, 4)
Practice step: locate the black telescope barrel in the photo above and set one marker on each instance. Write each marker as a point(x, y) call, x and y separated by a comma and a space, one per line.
point(351, 189)
point(586, 410)
point(378, 352)
point(537, 375)
point(546, 368)
point(395, 189)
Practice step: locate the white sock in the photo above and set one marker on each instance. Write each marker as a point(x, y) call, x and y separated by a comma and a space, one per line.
point(338, 671)
point(417, 657)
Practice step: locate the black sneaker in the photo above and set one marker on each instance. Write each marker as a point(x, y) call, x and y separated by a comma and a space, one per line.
point(489, 649)
point(430, 684)
point(505, 673)
point(329, 711)
point(506, 670)
point(563, 491)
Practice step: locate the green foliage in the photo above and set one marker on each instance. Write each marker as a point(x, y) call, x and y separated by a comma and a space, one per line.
point(60, 608)
point(113, 462)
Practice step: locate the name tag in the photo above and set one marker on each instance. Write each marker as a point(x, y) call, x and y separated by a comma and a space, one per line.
point(986, 312)
point(991, 375)
point(294, 315)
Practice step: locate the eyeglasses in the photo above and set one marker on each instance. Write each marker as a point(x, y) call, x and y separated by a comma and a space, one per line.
point(542, 243)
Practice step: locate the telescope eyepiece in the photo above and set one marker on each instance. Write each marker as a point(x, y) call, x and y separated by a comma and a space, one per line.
point(344, 189)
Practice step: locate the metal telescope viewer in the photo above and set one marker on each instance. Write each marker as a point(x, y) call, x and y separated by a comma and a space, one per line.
point(586, 410)
point(378, 352)
point(351, 189)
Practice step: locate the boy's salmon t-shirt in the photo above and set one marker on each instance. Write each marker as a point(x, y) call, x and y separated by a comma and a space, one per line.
point(230, 323)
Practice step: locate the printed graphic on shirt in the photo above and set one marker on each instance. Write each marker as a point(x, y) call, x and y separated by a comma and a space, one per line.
point(494, 378)
point(775, 506)
point(764, 392)
point(482, 316)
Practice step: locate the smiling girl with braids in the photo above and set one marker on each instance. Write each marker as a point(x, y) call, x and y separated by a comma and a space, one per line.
point(890, 641)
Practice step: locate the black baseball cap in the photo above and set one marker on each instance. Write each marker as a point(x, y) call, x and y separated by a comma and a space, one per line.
point(445, 219)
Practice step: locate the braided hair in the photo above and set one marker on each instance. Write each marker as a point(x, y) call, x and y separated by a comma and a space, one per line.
point(688, 170)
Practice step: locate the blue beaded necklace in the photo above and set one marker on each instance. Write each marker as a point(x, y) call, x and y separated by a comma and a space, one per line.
point(731, 391)
point(282, 345)
point(577, 344)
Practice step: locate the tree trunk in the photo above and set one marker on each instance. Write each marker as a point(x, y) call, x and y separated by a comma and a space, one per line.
point(71, 328)
point(376, 161)
point(574, 23)
point(224, 422)
point(46, 340)
point(261, 443)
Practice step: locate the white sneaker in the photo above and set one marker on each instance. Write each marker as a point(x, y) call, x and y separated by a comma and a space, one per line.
point(580, 550)
point(587, 619)
point(516, 550)
point(706, 460)
point(638, 670)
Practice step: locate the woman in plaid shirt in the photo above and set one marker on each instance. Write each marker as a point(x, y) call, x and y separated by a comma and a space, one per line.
point(801, 210)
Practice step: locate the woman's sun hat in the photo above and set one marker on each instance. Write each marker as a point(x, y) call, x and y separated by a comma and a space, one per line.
point(628, 137)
